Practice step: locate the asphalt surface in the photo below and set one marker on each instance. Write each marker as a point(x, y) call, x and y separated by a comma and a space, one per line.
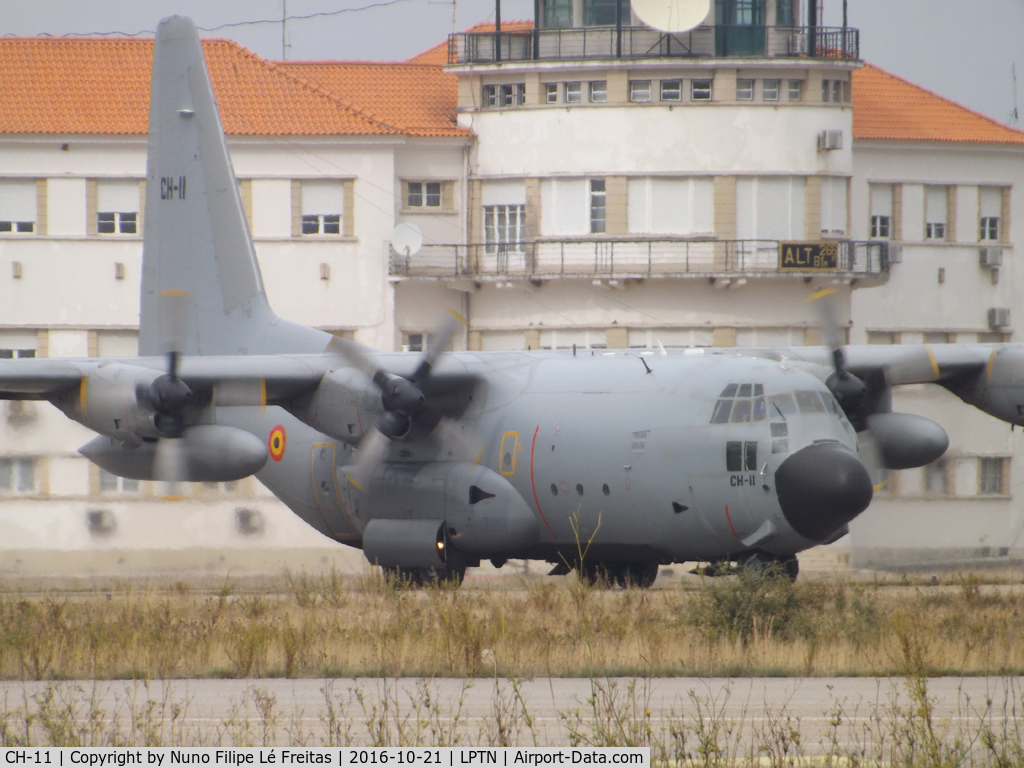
point(738, 713)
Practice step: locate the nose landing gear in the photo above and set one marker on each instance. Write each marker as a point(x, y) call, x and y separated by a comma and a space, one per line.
point(764, 564)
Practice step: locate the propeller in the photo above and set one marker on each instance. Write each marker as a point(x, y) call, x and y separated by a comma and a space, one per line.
point(404, 402)
point(849, 391)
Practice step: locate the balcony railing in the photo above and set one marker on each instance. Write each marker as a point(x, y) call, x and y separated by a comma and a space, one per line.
point(542, 259)
point(647, 43)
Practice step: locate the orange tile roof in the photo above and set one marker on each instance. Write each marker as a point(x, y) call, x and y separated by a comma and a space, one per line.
point(888, 107)
point(101, 86)
point(417, 99)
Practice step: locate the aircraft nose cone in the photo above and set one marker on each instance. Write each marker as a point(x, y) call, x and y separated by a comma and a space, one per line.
point(822, 487)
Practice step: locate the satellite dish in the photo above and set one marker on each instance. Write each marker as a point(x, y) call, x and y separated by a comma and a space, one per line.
point(406, 240)
point(672, 15)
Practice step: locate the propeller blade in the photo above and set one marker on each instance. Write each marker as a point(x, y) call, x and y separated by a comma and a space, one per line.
point(826, 304)
point(174, 305)
point(437, 343)
point(371, 452)
point(170, 466)
point(458, 442)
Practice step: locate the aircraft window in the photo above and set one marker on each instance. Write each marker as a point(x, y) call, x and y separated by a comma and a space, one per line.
point(579, 488)
point(744, 390)
point(740, 411)
point(760, 411)
point(734, 456)
point(781, 445)
point(729, 391)
point(809, 402)
point(606, 489)
point(780, 429)
point(721, 414)
point(750, 455)
point(758, 389)
point(554, 489)
point(785, 404)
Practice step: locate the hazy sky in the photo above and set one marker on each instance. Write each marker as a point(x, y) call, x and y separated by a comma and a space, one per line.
point(962, 50)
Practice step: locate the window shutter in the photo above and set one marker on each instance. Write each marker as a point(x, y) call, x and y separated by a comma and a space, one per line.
point(42, 213)
point(18, 200)
point(448, 195)
point(349, 201)
point(1004, 228)
point(117, 196)
point(90, 206)
point(405, 195)
point(296, 208)
point(142, 203)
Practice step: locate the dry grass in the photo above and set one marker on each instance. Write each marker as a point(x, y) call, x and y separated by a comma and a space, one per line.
point(324, 625)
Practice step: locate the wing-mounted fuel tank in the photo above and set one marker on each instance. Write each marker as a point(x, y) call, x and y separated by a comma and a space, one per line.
point(482, 513)
point(214, 453)
point(997, 389)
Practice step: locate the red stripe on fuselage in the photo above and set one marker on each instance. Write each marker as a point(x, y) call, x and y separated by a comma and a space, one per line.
point(533, 485)
point(729, 520)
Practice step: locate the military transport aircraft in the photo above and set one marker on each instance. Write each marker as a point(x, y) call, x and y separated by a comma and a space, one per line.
point(613, 463)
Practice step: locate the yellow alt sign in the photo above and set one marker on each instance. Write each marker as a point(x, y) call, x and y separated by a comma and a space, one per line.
point(804, 256)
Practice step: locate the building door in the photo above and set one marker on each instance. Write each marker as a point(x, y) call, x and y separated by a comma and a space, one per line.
point(739, 27)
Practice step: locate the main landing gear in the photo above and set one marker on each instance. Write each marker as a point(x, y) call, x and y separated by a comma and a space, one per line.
point(640, 575)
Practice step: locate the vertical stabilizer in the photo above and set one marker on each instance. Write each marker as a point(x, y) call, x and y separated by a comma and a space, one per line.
point(196, 237)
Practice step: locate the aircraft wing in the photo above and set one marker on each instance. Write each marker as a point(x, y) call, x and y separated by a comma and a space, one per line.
point(37, 378)
point(902, 364)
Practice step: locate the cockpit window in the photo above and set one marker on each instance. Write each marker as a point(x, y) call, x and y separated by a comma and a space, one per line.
point(809, 402)
point(739, 404)
point(784, 404)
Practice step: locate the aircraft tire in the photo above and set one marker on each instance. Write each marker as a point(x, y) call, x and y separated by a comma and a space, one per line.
point(640, 575)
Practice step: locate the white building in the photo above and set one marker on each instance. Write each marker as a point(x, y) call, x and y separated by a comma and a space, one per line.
point(590, 182)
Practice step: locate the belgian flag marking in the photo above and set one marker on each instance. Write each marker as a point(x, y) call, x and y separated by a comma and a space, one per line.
point(276, 442)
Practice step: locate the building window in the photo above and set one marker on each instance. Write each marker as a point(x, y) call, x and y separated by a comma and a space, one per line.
point(671, 90)
point(603, 13)
point(414, 341)
point(424, 194)
point(639, 90)
point(990, 478)
point(8, 354)
point(833, 206)
point(113, 484)
point(573, 93)
point(770, 90)
point(117, 207)
point(796, 90)
point(598, 209)
point(700, 90)
point(826, 90)
point(784, 13)
point(744, 89)
point(936, 201)
point(881, 210)
point(557, 14)
point(18, 205)
point(550, 93)
point(508, 95)
point(883, 337)
point(991, 203)
point(504, 228)
point(837, 91)
point(17, 475)
point(322, 206)
point(936, 478)
point(599, 92)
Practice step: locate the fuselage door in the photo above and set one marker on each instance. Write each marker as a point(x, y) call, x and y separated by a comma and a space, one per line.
point(325, 489)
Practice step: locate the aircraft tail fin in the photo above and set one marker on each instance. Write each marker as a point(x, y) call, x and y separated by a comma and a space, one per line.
point(196, 241)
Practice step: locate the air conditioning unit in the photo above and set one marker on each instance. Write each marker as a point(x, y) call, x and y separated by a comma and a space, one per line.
point(998, 317)
point(895, 253)
point(828, 140)
point(798, 42)
point(990, 257)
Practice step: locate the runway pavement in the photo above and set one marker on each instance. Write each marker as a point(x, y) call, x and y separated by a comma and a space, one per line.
point(853, 712)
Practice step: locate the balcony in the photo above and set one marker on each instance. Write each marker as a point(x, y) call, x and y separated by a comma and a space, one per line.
point(620, 259)
point(577, 43)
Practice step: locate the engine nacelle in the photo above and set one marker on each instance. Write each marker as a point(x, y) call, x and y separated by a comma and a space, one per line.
point(906, 440)
point(106, 402)
point(214, 454)
point(405, 543)
point(484, 515)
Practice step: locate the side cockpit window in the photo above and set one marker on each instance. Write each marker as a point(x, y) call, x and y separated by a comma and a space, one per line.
point(739, 404)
